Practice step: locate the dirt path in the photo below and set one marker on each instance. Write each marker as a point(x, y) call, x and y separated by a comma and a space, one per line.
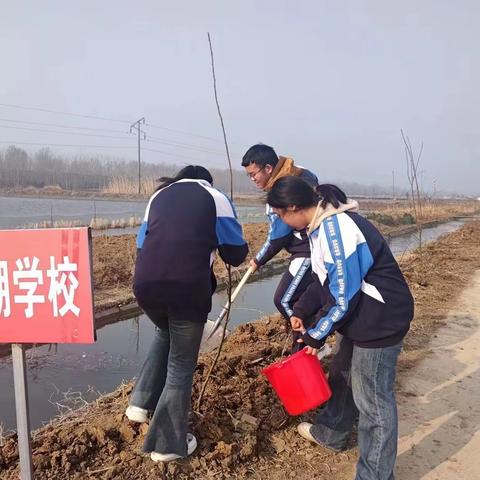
point(439, 405)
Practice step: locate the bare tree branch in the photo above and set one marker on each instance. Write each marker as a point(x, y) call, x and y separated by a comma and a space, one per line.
point(220, 115)
point(228, 267)
point(412, 176)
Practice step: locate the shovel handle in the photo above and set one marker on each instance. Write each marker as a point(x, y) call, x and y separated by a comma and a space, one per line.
point(242, 282)
point(232, 299)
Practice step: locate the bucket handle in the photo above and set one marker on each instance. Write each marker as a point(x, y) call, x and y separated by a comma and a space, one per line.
point(283, 362)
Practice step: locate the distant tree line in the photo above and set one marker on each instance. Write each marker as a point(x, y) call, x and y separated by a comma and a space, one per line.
point(19, 168)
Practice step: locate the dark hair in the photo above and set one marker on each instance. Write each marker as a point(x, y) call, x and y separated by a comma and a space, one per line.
point(329, 193)
point(260, 155)
point(196, 172)
point(293, 191)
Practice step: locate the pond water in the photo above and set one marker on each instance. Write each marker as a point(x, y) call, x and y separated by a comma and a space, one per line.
point(17, 212)
point(65, 374)
point(404, 243)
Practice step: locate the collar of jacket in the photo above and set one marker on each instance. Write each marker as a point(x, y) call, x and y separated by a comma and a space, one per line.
point(322, 213)
point(283, 168)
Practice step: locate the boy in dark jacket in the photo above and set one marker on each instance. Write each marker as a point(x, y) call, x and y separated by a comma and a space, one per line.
point(264, 167)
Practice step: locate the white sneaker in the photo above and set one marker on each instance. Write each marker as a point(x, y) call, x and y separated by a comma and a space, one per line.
point(168, 457)
point(304, 430)
point(136, 414)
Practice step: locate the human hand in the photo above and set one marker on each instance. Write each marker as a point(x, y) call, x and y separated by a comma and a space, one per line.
point(309, 350)
point(253, 265)
point(297, 324)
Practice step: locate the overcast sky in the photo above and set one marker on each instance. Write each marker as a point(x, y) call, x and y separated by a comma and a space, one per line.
point(329, 83)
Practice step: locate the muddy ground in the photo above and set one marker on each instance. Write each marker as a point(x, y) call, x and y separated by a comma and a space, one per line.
point(242, 429)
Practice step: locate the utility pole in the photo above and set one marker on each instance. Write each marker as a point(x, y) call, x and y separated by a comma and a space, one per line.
point(136, 126)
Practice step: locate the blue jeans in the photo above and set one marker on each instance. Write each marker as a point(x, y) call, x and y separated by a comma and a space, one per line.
point(362, 382)
point(164, 385)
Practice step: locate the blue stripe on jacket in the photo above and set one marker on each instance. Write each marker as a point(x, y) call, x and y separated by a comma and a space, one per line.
point(277, 229)
point(345, 276)
point(229, 231)
point(142, 233)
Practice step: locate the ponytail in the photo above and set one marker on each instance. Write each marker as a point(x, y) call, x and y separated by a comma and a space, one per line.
point(330, 194)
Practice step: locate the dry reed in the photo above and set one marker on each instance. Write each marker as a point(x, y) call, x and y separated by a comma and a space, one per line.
point(129, 186)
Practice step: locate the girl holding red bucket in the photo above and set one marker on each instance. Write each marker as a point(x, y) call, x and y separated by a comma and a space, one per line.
point(360, 292)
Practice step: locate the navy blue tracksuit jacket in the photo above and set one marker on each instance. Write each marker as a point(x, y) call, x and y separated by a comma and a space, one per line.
point(184, 224)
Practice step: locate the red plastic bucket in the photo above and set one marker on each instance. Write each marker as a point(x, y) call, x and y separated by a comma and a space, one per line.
point(299, 382)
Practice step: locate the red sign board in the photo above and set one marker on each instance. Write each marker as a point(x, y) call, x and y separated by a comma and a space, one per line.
point(46, 286)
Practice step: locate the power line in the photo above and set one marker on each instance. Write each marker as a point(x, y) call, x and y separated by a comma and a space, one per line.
point(56, 125)
point(183, 132)
point(182, 157)
point(186, 146)
point(61, 133)
point(81, 115)
point(109, 119)
point(164, 141)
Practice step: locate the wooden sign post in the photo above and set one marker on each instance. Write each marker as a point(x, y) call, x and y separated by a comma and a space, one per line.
point(23, 414)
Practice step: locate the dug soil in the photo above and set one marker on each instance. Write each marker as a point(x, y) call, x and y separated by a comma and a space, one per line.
point(242, 429)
